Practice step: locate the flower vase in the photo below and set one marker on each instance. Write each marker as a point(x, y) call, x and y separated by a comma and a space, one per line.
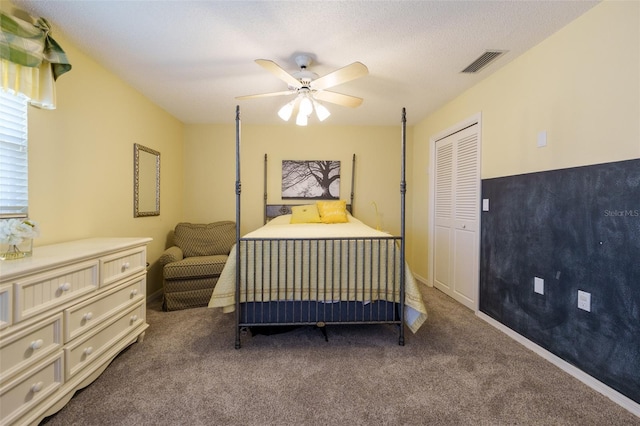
point(16, 251)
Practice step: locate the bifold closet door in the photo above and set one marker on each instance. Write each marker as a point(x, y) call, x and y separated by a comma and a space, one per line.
point(456, 226)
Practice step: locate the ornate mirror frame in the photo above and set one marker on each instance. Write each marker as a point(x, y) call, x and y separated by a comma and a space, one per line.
point(146, 181)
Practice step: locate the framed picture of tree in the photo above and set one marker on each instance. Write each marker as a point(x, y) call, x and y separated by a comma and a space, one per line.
point(311, 179)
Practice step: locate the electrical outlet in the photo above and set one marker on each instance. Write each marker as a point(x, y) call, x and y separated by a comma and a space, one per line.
point(538, 285)
point(584, 300)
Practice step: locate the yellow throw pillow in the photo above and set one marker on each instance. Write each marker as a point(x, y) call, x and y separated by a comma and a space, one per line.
point(333, 211)
point(305, 214)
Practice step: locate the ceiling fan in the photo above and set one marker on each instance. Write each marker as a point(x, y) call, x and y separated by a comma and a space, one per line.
point(310, 88)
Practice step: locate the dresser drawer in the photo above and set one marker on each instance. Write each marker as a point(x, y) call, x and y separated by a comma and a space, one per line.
point(122, 265)
point(25, 392)
point(83, 317)
point(92, 345)
point(30, 345)
point(40, 293)
point(5, 306)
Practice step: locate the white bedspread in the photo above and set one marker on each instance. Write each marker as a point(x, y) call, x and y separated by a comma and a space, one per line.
point(224, 293)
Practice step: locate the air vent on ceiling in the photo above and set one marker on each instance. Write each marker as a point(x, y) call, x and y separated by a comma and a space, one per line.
point(485, 59)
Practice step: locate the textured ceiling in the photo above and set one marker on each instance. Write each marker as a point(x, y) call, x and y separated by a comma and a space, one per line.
point(193, 58)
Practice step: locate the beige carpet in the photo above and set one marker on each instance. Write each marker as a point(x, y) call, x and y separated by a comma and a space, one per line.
point(457, 370)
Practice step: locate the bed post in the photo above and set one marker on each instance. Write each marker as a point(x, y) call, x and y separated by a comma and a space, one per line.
point(353, 175)
point(403, 190)
point(265, 190)
point(238, 190)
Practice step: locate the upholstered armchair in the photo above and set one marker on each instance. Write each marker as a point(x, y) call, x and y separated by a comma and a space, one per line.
point(192, 265)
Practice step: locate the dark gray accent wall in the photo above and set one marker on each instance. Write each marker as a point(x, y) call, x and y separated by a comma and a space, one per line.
point(578, 229)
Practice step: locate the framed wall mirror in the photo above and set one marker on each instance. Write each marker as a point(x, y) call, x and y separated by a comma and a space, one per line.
point(146, 181)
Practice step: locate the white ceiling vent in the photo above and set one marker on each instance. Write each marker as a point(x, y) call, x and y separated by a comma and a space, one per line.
point(485, 59)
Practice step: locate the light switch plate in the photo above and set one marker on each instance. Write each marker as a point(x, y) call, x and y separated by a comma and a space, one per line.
point(542, 139)
point(485, 204)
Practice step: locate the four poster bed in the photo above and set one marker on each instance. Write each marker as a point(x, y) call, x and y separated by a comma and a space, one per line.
point(316, 264)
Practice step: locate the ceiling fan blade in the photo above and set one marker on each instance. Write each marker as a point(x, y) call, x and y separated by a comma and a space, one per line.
point(266, 95)
point(344, 74)
point(276, 70)
point(338, 98)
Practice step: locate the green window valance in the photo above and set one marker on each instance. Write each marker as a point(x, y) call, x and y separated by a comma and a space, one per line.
point(30, 59)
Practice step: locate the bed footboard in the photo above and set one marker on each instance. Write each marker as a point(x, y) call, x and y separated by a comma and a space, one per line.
point(319, 281)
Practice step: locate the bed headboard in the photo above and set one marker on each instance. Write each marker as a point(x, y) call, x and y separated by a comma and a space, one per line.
point(275, 210)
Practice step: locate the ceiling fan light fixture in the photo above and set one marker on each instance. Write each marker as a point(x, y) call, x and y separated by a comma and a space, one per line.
point(321, 111)
point(301, 118)
point(286, 111)
point(306, 107)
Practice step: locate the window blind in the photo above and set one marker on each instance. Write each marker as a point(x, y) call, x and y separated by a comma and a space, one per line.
point(14, 198)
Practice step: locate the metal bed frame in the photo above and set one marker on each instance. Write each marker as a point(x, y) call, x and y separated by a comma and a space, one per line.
point(370, 262)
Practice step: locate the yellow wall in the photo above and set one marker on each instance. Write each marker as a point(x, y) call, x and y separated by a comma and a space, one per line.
point(81, 160)
point(581, 85)
point(210, 170)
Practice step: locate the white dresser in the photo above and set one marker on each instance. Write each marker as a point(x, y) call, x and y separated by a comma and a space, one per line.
point(65, 313)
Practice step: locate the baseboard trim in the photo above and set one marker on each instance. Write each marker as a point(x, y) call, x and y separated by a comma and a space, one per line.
point(157, 295)
point(624, 401)
point(422, 280)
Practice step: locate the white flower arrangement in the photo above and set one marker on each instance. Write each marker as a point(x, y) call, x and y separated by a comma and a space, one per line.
point(16, 231)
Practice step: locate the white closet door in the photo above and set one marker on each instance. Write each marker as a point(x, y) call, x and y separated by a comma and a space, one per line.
point(456, 227)
point(443, 238)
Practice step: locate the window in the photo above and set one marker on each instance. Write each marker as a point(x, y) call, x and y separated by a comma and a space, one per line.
point(14, 198)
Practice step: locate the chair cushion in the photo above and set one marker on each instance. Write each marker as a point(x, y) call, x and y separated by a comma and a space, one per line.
point(195, 267)
point(205, 239)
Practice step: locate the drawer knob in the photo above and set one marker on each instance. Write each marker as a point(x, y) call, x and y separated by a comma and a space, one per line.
point(37, 387)
point(134, 292)
point(88, 350)
point(65, 287)
point(36, 344)
point(87, 316)
point(125, 266)
point(134, 318)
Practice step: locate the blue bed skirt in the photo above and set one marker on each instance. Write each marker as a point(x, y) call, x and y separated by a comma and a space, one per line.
point(312, 312)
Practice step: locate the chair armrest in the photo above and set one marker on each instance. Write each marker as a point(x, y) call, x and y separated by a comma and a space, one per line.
point(172, 254)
